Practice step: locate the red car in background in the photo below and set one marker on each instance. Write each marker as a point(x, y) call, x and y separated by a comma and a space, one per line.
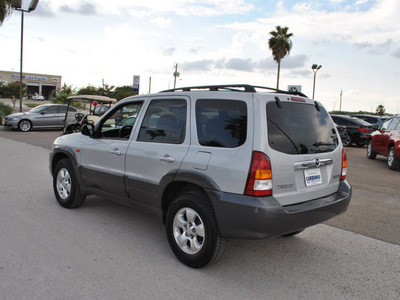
point(386, 141)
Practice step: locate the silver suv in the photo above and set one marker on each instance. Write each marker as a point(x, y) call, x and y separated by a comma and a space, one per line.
point(214, 162)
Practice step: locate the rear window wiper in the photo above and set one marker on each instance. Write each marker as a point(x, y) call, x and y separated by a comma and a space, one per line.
point(318, 144)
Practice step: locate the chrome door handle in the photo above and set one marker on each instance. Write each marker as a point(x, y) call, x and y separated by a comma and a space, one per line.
point(116, 151)
point(167, 159)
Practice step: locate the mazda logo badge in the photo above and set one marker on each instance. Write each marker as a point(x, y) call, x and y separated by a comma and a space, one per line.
point(317, 162)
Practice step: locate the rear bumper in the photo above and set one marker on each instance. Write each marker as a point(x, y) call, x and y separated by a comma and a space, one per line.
point(255, 218)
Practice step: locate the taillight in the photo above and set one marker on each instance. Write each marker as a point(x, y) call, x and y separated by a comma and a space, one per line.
point(363, 129)
point(343, 171)
point(259, 180)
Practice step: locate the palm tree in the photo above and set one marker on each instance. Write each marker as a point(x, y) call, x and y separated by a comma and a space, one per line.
point(5, 9)
point(280, 44)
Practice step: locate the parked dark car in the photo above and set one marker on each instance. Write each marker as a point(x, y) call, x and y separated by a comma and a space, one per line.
point(375, 121)
point(386, 141)
point(342, 132)
point(358, 130)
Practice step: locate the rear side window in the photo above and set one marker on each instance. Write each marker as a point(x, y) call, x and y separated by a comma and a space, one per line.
point(298, 128)
point(221, 123)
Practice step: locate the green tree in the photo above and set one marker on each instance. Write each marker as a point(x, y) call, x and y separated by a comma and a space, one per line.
point(89, 90)
point(106, 90)
point(5, 9)
point(280, 44)
point(68, 89)
point(11, 89)
point(380, 110)
point(121, 92)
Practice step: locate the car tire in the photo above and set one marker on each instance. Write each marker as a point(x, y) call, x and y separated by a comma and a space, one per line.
point(347, 141)
point(292, 233)
point(371, 154)
point(392, 160)
point(192, 230)
point(65, 185)
point(25, 125)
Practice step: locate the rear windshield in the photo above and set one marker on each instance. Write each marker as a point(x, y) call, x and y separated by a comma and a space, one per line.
point(299, 128)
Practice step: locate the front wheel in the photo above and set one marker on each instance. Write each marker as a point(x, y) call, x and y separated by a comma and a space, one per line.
point(25, 125)
point(371, 154)
point(65, 185)
point(392, 160)
point(192, 230)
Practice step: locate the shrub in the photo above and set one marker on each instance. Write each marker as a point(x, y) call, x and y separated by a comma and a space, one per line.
point(5, 109)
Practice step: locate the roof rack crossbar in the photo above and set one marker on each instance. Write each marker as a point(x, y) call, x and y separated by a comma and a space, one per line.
point(232, 87)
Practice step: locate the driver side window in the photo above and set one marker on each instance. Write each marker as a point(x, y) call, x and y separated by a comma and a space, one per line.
point(120, 123)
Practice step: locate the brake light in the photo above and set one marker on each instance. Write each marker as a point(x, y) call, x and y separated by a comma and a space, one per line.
point(343, 171)
point(297, 99)
point(259, 180)
point(363, 129)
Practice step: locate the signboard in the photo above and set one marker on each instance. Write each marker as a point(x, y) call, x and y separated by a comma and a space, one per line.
point(13, 76)
point(136, 83)
point(294, 88)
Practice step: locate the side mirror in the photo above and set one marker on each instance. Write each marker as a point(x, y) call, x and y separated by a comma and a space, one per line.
point(88, 130)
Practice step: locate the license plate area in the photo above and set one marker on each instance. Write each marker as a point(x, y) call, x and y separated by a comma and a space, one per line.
point(312, 177)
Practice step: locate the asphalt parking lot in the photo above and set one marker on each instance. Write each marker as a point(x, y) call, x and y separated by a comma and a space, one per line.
point(104, 250)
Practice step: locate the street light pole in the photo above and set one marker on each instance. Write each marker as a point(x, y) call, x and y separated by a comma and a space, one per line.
point(315, 69)
point(20, 69)
point(17, 5)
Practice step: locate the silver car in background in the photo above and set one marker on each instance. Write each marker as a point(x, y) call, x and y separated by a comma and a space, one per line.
point(42, 116)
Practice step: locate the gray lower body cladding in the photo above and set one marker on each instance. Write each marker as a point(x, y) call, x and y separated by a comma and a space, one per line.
point(256, 218)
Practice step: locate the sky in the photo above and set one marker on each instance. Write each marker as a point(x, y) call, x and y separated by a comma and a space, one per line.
point(357, 43)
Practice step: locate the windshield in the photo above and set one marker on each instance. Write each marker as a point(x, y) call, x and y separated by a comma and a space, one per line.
point(298, 128)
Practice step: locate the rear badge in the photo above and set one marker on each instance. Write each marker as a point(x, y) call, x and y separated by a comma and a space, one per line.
point(284, 186)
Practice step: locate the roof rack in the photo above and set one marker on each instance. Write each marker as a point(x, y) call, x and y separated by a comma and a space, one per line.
point(246, 88)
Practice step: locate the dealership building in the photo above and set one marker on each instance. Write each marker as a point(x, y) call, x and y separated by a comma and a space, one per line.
point(43, 84)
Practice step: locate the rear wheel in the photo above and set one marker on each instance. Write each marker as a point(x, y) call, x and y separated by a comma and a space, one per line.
point(65, 185)
point(25, 125)
point(371, 154)
point(392, 160)
point(192, 230)
point(346, 140)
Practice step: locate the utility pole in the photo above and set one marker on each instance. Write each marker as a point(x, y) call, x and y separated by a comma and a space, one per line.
point(17, 5)
point(150, 85)
point(340, 107)
point(176, 74)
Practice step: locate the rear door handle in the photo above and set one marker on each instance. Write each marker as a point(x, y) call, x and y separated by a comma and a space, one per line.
point(167, 158)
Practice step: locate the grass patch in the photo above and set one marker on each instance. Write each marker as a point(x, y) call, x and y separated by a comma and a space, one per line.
point(31, 105)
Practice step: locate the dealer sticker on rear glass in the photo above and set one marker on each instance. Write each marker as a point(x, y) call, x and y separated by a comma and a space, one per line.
point(312, 177)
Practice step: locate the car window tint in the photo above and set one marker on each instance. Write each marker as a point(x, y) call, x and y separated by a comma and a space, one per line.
point(221, 123)
point(393, 124)
point(386, 125)
point(164, 122)
point(297, 128)
point(338, 121)
point(51, 110)
point(398, 125)
point(120, 123)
